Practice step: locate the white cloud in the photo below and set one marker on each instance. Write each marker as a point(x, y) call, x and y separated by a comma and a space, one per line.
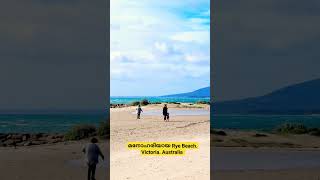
point(169, 38)
point(197, 58)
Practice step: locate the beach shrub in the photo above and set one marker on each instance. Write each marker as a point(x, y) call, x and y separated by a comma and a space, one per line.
point(135, 103)
point(202, 102)
point(219, 133)
point(292, 129)
point(174, 103)
point(259, 135)
point(80, 132)
point(144, 102)
point(103, 130)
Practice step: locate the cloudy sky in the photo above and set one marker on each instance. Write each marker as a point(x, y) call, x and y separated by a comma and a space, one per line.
point(159, 47)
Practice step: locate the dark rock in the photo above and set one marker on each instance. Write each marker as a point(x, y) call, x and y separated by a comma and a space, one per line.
point(38, 142)
point(219, 133)
point(9, 136)
point(16, 137)
point(259, 135)
point(36, 136)
point(20, 143)
point(60, 136)
point(314, 131)
point(28, 143)
point(3, 136)
point(25, 137)
point(43, 139)
point(53, 141)
point(55, 136)
point(9, 142)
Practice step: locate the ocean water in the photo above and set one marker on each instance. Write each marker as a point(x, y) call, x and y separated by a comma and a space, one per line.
point(46, 123)
point(128, 100)
point(261, 122)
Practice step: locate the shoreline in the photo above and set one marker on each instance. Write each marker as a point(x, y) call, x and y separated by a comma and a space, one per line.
point(258, 139)
point(135, 103)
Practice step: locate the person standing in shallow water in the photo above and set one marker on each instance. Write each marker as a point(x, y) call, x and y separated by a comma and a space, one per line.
point(165, 113)
point(139, 110)
point(92, 152)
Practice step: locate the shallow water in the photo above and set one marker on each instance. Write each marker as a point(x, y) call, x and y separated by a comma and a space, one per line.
point(174, 112)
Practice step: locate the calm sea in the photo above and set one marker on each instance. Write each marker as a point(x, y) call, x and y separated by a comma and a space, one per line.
point(46, 123)
point(128, 100)
point(261, 122)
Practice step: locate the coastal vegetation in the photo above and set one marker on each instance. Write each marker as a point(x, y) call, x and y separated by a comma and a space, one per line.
point(135, 103)
point(202, 102)
point(81, 131)
point(84, 131)
point(144, 102)
point(288, 128)
point(217, 132)
point(104, 130)
point(297, 129)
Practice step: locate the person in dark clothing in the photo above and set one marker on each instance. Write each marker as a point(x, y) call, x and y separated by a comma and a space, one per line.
point(139, 110)
point(92, 152)
point(165, 113)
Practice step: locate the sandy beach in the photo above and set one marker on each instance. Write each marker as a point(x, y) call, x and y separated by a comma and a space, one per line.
point(127, 164)
point(240, 155)
point(61, 161)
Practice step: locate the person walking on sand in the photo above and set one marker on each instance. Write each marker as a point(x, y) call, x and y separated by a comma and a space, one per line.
point(165, 113)
point(139, 110)
point(92, 152)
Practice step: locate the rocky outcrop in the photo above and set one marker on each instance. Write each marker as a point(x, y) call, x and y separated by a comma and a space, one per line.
point(118, 105)
point(14, 139)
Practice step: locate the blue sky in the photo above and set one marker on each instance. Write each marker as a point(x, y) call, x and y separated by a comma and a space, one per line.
point(159, 47)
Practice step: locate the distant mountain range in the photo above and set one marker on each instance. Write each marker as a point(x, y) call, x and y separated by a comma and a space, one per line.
point(302, 98)
point(200, 93)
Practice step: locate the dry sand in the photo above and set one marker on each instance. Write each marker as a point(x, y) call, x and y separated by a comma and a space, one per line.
point(126, 164)
point(62, 161)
